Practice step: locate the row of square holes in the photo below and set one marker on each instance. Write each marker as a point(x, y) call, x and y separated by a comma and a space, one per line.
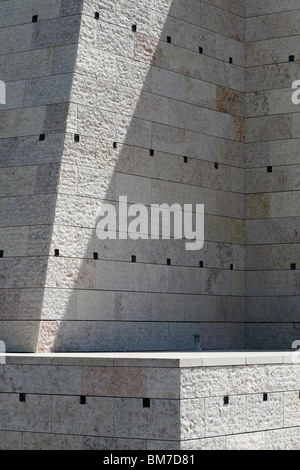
point(146, 401)
point(293, 266)
point(169, 39)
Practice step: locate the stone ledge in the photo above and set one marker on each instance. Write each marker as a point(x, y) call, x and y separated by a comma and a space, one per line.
point(154, 359)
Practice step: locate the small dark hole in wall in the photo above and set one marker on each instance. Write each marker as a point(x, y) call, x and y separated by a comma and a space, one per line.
point(291, 58)
point(270, 169)
point(226, 400)
point(265, 397)
point(169, 262)
point(95, 255)
point(146, 403)
point(97, 15)
point(115, 145)
point(22, 397)
point(200, 50)
point(133, 259)
point(230, 60)
point(77, 137)
point(216, 166)
point(34, 18)
point(1, 253)
point(134, 28)
point(42, 137)
point(185, 159)
point(151, 153)
point(56, 252)
point(231, 267)
point(169, 39)
point(83, 400)
point(201, 264)
point(293, 266)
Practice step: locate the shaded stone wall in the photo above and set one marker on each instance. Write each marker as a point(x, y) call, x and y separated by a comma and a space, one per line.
point(272, 183)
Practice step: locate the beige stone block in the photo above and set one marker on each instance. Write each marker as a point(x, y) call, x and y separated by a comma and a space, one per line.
point(282, 439)
point(185, 280)
point(15, 39)
point(163, 383)
point(14, 240)
point(256, 53)
point(22, 65)
point(150, 278)
point(44, 441)
point(22, 122)
point(213, 443)
point(111, 275)
point(55, 32)
point(291, 409)
point(132, 306)
point(71, 273)
point(10, 440)
point(95, 305)
point(262, 415)
point(33, 415)
point(137, 189)
point(168, 307)
point(115, 381)
point(110, 443)
point(96, 183)
point(223, 419)
point(52, 380)
point(249, 441)
point(94, 418)
point(192, 418)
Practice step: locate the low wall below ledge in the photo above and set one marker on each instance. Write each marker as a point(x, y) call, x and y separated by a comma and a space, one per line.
point(151, 401)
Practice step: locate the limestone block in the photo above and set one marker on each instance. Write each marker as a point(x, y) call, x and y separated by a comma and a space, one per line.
point(47, 304)
point(258, 154)
point(44, 441)
point(168, 84)
point(286, 308)
point(284, 151)
point(213, 443)
point(147, 336)
point(199, 92)
point(164, 192)
point(181, 336)
point(5, 14)
point(22, 122)
point(18, 181)
point(258, 257)
point(115, 381)
point(64, 59)
point(55, 32)
point(133, 306)
point(216, 282)
point(269, 128)
point(269, 283)
point(96, 183)
point(95, 305)
point(128, 72)
point(282, 439)
point(116, 39)
point(256, 53)
point(223, 419)
point(71, 273)
point(225, 230)
point(22, 272)
point(231, 205)
point(257, 103)
point(11, 378)
point(14, 240)
point(256, 8)
point(15, 38)
point(162, 445)
point(31, 151)
point(95, 120)
point(7, 152)
point(271, 26)
point(272, 231)
point(47, 178)
point(192, 418)
point(9, 308)
point(185, 280)
point(169, 307)
point(10, 440)
point(23, 10)
point(291, 409)
point(163, 383)
point(33, 415)
point(262, 415)
point(269, 336)
point(112, 275)
point(283, 377)
point(52, 380)
point(150, 278)
point(223, 335)
point(249, 441)
point(268, 77)
point(134, 421)
point(137, 189)
point(94, 418)
point(201, 308)
point(258, 206)
point(14, 94)
point(110, 443)
point(48, 90)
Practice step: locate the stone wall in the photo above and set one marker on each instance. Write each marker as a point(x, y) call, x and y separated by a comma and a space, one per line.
point(148, 89)
point(85, 402)
point(272, 162)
